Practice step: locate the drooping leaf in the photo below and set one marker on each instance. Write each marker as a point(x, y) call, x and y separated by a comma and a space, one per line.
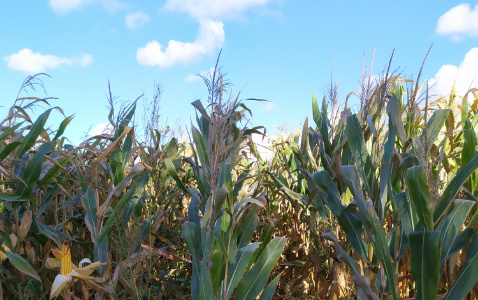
point(22, 265)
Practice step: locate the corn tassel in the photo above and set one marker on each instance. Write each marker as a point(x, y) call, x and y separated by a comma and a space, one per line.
point(66, 265)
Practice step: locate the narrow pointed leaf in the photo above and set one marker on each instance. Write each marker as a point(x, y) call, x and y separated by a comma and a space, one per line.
point(255, 280)
point(468, 275)
point(22, 265)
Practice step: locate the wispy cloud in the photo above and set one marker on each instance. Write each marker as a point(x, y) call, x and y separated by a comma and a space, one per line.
point(195, 77)
point(211, 37)
point(459, 22)
point(33, 62)
point(218, 10)
point(66, 6)
point(136, 20)
point(268, 106)
point(465, 75)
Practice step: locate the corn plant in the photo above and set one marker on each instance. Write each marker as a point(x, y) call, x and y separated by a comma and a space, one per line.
point(224, 261)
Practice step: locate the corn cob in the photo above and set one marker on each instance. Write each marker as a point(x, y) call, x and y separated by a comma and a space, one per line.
point(66, 265)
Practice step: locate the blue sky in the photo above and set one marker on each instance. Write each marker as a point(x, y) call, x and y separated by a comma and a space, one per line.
point(280, 50)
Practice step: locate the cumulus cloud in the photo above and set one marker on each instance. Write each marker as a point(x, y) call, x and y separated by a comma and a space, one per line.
point(136, 20)
point(65, 6)
point(33, 62)
point(201, 9)
point(194, 77)
point(465, 75)
point(211, 36)
point(101, 128)
point(460, 21)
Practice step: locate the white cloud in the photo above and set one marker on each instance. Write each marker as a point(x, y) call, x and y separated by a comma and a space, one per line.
point(194, 77)
point(101, 128)
point(136, 20)
point(220, 9)
point(211, 36)
point(65, 6)
point(33, 62)
point(460, 21)
point(465, 75)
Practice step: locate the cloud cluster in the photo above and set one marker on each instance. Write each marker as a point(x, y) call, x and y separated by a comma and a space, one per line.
point(218, 10)
point(211, 36)
point(33, 62)
point(459, 22)
point(465, 75)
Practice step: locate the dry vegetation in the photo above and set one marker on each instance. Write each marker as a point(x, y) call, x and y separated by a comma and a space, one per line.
point(380, 203)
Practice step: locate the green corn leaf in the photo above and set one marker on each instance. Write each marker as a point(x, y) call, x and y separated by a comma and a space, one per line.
point(200, 146)
point(22, 265)
point(256, 278)
point(270, 289)
point(30, 139)
point(62, 127)
point(315, 111)
point(393, 109)
point(6, 239)
point(246, 228)
point(198, 105)
point(372, 226)
point(469, 149)
point(359, 151)
point(324, 129)
point(192, 237)
point(406, 211)
point(117, 167)
point(32, 171)
point(341, 254)
point(451, 224)
point(236, 271)
point(468, 275)
point(454, 187)
point(435, 124)
point(117, 209)
point(425, 262)
point(10, 130)
point(9, 149)
point(206, 291)
point(420, 194)
point(461, 240)
point(127, 146)
point(172, 172)
point(91, 220)
point(348, 221)
point(143, 233)
point(54, 170)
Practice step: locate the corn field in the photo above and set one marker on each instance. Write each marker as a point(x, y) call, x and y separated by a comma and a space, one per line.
point(379, 202)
